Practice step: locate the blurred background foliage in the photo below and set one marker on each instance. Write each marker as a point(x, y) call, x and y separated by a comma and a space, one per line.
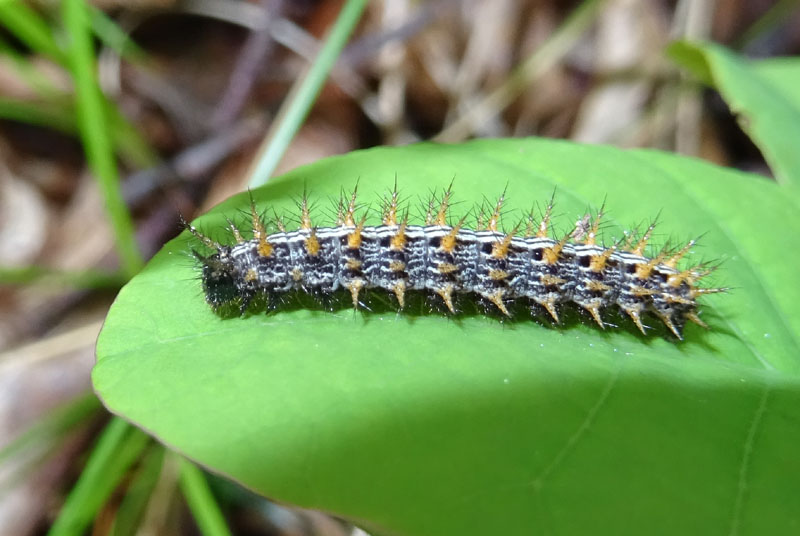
point(117, 116)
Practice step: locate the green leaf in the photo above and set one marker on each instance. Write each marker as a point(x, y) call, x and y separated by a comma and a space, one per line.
point(763, 95)
point(784, 76)
point(419, 424)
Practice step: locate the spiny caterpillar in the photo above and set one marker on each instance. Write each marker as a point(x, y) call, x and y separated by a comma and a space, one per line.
point(444, 259)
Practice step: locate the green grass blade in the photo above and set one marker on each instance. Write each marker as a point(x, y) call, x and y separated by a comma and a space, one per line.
point(204, 507)
point(93, 124)
point(139, 493)
point(30, 28)
point(304, 94)
point(29, 72)
point(52, 425)
point(55, 115)
point(58, 113)
point(780, 13)
point(118, 447)
point(115, 37)
point(131, 145)
point(89, 279)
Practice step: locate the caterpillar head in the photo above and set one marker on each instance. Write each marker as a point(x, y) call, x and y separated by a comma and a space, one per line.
point(218, 276)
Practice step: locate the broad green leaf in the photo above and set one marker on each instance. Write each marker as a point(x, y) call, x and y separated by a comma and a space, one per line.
point(763, 95)
point(419, 424)
point(784, 75)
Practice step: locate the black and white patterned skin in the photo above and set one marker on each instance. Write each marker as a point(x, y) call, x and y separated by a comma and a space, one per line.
point(445, 262)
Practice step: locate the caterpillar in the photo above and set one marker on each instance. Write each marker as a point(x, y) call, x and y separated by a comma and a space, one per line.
point(445, 259)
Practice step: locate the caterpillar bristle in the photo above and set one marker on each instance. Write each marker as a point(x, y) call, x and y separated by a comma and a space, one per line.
point(208, 242)
point(692, 317)
point(592, 232)
point(635, 315)
point(305, 213)
point(594, 310)
point(237, 234)
point(550, 307)
point(494, 220)
point(390, 207)
point(544, 223)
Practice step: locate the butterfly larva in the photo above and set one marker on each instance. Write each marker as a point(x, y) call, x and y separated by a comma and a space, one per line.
point(447, 259)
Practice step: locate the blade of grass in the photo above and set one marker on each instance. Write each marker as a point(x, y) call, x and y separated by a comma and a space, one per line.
point(88, 279)
point(201, 502)
point(128, 519)
point(58, 113)
point(52, 425)
point(46, 114)
point(33, 31)
point(119, 446)
point(115, 37)
point(29, 72)
point(132, 147)
point(44, 440)
point(92, 123)
point(778, 14)
point(30, 28)
point(303, 94)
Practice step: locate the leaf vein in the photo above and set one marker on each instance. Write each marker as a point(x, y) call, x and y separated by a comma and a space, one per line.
point(538, 482)
point(747, 452)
